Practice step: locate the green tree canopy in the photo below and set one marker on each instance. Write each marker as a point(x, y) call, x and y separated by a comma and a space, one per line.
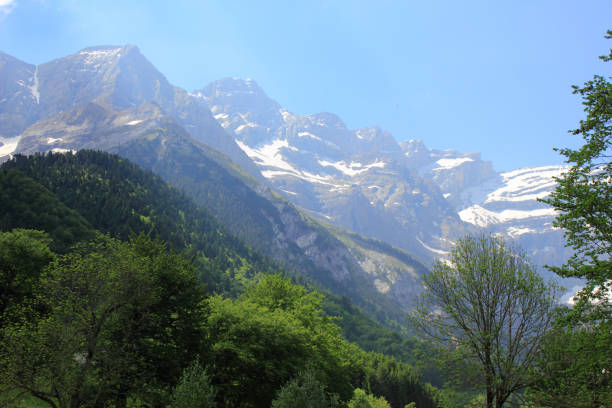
point(574, 368)
point(194, 389)
point(362, 399)
point(490, 306)
point(117, 322)
point(305, 391)
point(23, 255)
point(583, 198)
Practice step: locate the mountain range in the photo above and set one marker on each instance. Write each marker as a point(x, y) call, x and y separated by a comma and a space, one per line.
point(413, 197)
point(359, 212)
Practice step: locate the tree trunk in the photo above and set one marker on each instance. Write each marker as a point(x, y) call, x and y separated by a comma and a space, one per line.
point(489, 397)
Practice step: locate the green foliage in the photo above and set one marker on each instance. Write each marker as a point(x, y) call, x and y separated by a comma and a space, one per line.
point(574, 368)
point(397, 382)
point(23, 255)
point(575, 365)
point(583, 198)
point(361, 399)
point(275, 292)
point(490, 307)
point(253, 351)
point(277, 330)
point(26, 204)
point(118, 198)
point(372, 336)
point(253, 345)
point(116, 323)
point(194, 389)
point(304, 391)
point(256, 349)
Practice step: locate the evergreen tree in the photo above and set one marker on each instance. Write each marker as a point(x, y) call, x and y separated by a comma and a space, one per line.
point(305, 391)
point(194, 389)
point(361, 399)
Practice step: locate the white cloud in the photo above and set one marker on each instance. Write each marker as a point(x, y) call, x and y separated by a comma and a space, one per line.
point(6, 6)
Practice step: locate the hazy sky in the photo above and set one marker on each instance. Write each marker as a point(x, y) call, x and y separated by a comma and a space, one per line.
point(488, 76)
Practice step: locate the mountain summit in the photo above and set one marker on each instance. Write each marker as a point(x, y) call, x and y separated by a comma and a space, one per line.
point(416, 198)
point(358, 179)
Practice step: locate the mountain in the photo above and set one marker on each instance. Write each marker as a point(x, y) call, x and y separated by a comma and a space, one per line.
point(18, 99)
point(151, 133)
point(500, 202)
point(416, 198)
point(304, 190)
point(118, 78)
point(92, 189)
point(357, 179)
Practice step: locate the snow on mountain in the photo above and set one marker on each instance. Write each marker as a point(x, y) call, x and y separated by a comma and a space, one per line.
point(414, 197)
point(8, 145)
point(117, 77)
point(512, 197)
point(502, 203)
point(358, 179)
point(522, 185)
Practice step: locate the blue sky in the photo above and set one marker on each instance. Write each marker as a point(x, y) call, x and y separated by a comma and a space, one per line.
point(488, 76)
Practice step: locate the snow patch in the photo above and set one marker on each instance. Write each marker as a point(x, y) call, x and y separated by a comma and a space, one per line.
point(450, 163)
point(245, 126)
point(51, 140)
point(526, 184)
point(434, 250)
point(60, 150)
point(310, 135)
point(515, 232)
point(133, 122)
point(95, 57)
point(311, 178)
point(286, 114)
point(269, 155)
point(352, 169)
point(8, 145)
point(34, 87)
point(482, 217)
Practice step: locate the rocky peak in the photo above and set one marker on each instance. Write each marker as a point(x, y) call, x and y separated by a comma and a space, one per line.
point(101, 55)
point(374, 139)
point(236, 102)
point(416, 152)
point(326, 119)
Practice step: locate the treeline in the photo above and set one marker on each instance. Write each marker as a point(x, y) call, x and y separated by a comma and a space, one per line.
point(114, 323)
point(164, 298)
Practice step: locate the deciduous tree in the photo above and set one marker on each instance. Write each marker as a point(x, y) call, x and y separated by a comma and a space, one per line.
point(489, 305)
point(583, 198)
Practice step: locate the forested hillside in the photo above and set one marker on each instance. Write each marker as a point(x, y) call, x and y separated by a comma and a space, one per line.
point(117, 319)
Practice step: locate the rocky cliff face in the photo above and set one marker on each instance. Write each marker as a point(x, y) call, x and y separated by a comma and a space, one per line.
point(503, 203)
point(103, 103)
point(414, 197)
point(117, 78)
point(358, 179)
point(19, 97)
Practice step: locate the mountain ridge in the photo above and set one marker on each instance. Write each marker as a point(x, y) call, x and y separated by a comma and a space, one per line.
point(307, 157)
point(361, 180)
